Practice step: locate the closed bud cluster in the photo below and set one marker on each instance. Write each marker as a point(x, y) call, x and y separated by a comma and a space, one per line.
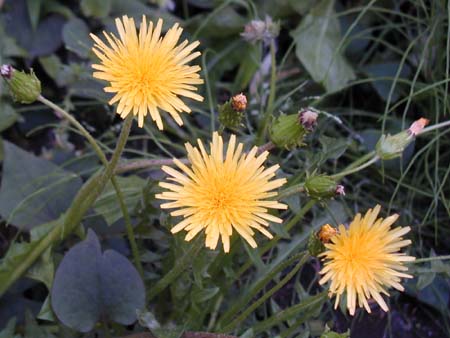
point(25, 88)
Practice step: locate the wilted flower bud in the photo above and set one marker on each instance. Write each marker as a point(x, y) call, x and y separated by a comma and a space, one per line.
point(258, 30)
point(321, 186)
point(392, 146)
point(231, 112)
point(308, 118)
point(286, 131)
point(326, 232)
point(25, 88)
point(239, 102)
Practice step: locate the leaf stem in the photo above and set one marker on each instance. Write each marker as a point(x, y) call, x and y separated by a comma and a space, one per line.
point(430, 259)
point(273, 88)
point(82, 202)
point(356, 169)
point(101, 155)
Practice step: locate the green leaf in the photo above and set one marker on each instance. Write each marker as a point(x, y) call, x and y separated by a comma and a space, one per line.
point(34, 11)
point(332, 334)
point(250, 63)
point(90, 286)
point(202, 295)
point(317, 40)
point(107, 204)
point(7, 116)
point(44, 269)
point(96, 8)
point(17, 253)
point(76, 37)
point(387, 69)
point(46, 312)
point(52, 66)
point(34, 190)
point(33, 330)
point(8, 331)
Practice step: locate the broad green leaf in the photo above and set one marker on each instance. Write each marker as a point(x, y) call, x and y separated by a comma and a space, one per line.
point(46, 312)
point(17, 253)
point(331, 334)
point(96, 8)
point(53, 67)
point(44, 269)
point(317, 40)
point(107, 204)
point(250, 63)
point(7, 116)
point(8, 331)
point(33, 330)
point(90, 286)
point(34, 11)
point(34, 190)
point(387, 69)
point(76, 37)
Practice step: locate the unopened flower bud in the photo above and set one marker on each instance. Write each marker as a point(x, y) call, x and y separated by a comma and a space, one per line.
point(418, 126)
point(340, 190)
point(392, 146)
point(258, 30)
point(6, 71)
point(308, 118)
point(315, 245)
point(239, 102)
point(231, 112)
point(326, 232)
point(25, 88)
point(286, 131)
point(321, 186)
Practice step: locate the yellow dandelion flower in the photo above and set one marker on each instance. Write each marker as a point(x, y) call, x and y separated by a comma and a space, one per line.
point(220, 193)
point(147, 72)
point(364, 260)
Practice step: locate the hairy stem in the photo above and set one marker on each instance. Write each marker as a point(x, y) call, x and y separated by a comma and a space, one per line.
point(101, 155)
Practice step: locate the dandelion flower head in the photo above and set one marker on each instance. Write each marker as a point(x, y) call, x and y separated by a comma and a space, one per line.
point(147, 73)
point(363, 261)
point(221, 192)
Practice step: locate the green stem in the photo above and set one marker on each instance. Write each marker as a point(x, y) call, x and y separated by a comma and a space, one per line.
point(354, 170)
point(430, 259)
point(270, 102)
point(303, 258)
point(273, 242)
point(180, 265)
point(101, 155)
point(434, 126)
point(295, 189)
point(82, 202)
point(360, 160)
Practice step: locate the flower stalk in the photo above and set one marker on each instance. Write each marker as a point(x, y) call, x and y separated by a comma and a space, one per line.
point(101, 155)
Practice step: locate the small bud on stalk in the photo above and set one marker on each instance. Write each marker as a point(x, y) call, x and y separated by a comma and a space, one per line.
point(25, 88)
point(322, 187)
point(308, 119)
point(326, 232)
point(392, 146)
point(231, 112)
point(259, 30)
